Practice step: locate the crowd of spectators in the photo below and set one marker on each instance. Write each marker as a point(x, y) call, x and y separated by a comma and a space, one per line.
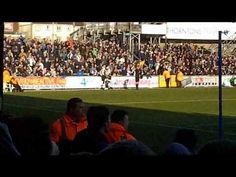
point(35, 57)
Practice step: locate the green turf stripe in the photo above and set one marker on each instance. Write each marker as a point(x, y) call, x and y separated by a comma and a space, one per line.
point(134, 122)
point(180, 127)
point(171, 101)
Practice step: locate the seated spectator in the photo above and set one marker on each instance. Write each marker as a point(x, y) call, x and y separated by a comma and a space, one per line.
point(187, 138)
point(64, 146)
point(7, 147)
point(119, 126)
point(218, 148)
point(80, 73)
point(83, 155)
point(72, 122)
point(176, 149)
point(127, 148)
point(55, 151)
point(93, 139)
point(31, 137)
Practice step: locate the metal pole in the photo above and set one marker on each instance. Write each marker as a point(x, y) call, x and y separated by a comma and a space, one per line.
point(52, 31)
point(131, 47)
point(85, 35)
point(94, 37)
point(123, 41)
point(166, 34)
point(139, 39)
point(94, 33)
point(130, 38)
point(31, 31)
point(221, 130)
point(165, 40)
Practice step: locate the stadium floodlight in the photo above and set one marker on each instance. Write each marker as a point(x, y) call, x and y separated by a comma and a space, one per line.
point(220, 119)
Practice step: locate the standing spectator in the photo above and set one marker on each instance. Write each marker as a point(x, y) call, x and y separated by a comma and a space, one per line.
point(179, 78)
point(6, 76)
point(166, 75)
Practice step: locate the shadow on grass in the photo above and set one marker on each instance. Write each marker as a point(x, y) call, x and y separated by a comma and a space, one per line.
point(156, 128)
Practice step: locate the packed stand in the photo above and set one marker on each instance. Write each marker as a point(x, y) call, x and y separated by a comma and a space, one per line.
point(34, 57)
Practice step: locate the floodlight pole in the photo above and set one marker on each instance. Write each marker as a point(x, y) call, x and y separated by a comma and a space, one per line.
point(220, 123)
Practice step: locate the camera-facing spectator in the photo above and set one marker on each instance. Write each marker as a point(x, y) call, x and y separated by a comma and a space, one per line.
point(72, 122)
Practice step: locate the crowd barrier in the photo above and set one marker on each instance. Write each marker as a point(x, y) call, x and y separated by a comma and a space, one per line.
point(95, 82)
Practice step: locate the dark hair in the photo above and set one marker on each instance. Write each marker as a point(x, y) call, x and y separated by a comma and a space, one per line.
point(127, 148)
point(31, 136)
point(97, 116)
point(186, 137)
point(218, 147)
point(71, 104)
point(118, 115)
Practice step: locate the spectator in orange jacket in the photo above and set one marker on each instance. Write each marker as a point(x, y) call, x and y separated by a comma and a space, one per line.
point(72, 122)
point(119, 125)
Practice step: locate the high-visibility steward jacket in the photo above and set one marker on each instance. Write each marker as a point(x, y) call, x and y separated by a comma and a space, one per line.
point(166, 74)
point(117, 133)
point(180, 76)
point(6, 76)
point(66, 128)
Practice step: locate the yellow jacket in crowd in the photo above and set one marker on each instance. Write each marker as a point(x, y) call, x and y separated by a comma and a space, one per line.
point(6, 76)
point(166, 74)
point(180, 76)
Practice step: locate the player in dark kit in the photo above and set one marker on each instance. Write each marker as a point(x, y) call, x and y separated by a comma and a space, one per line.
point(138, 75)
